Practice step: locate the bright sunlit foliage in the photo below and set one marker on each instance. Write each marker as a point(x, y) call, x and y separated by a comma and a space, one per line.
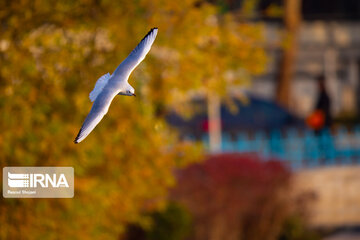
point(52, 53)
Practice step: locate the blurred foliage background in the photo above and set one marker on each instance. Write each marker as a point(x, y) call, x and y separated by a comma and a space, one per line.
point(52, 53)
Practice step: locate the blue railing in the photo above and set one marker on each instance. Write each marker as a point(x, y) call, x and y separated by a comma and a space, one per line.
point(298, 147)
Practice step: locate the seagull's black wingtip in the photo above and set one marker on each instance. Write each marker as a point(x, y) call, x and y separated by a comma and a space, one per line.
point(76, 140)
point(150, 32)
point(153, 29)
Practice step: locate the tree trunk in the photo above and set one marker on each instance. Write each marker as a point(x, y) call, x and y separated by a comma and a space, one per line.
point(214, 122)
point(292, 18)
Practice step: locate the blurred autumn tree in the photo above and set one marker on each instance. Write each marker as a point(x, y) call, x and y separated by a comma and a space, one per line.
point(52, 53)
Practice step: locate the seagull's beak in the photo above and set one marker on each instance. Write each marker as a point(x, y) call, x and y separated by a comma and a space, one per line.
point(134, 94)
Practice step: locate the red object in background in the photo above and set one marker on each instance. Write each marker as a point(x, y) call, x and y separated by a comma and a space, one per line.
point(316, 120)
point(205, 125)
point(242, 190)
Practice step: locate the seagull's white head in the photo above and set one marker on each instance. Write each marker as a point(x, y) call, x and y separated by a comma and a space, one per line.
point(130, 91)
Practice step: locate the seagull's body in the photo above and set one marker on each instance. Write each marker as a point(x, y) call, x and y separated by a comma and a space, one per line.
point(108, 86)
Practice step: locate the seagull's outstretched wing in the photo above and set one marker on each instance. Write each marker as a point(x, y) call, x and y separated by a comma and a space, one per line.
point(97, 112)
point(137, 55)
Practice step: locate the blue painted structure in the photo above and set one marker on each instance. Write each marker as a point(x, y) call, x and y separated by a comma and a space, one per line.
point(256, 113)
point(300, 148)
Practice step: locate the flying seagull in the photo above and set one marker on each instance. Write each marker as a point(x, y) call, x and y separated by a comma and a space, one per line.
point(108, 86)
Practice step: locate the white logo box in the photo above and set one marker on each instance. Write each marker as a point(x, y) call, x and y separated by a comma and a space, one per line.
point(38, 182)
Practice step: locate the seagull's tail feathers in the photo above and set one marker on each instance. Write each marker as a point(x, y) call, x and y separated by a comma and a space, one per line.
point(99, 86)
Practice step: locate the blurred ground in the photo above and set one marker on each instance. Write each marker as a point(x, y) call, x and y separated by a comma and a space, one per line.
point(337, 195)
point(345, 235)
